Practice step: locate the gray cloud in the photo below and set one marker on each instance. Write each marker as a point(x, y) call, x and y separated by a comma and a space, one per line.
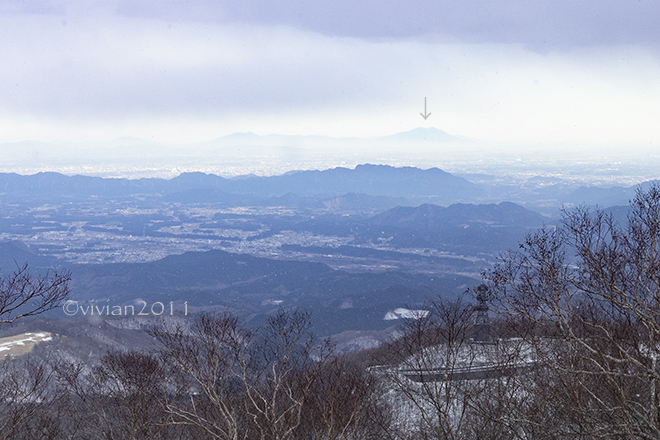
point(135, 67)
point(125, 69)
point(540, 24)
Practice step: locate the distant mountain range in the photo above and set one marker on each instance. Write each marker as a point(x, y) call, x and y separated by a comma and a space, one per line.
point(374, 180)
point(604, 197)
point(364, 187)
point(422, 134)
point(431, 134)
point(240, 144)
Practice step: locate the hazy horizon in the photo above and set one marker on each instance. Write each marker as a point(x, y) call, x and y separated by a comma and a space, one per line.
point(241, 154)
point(555, 72)
point(145, 89)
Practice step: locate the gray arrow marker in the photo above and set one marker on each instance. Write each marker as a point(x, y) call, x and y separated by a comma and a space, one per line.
point(425, 115)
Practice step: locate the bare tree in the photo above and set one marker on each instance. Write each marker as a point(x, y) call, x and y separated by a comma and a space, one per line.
point(279, 374)
point(25, 386)
point(273, 383)
point(424, 364)
point(208, 357)
point(130, 386)
point(120, 397)
point(24, 294)
point(590, 291)
point(345, 403)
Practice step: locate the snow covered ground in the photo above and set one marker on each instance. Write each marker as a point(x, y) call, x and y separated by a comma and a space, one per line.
point(23, 343)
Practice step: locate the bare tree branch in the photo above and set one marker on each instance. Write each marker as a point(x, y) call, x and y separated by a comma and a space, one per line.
point(23, 294)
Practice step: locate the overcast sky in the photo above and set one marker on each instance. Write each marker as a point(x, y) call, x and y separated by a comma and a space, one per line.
point(194, 70)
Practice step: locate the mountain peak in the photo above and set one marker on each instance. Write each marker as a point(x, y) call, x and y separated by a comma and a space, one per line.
point(242, 135)
point(425, 134)
point(416, 134)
